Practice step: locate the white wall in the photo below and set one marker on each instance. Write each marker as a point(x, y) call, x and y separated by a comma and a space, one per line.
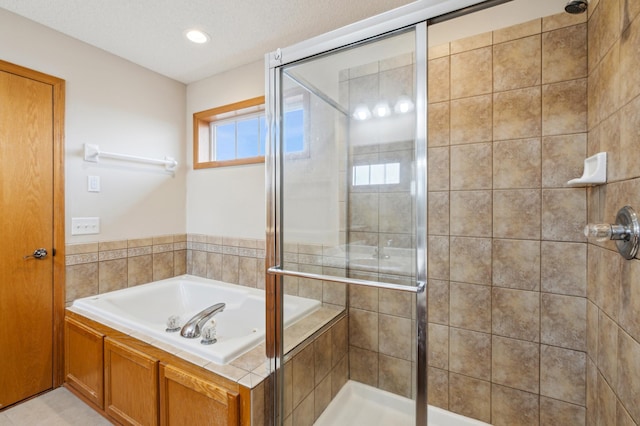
point(121, 107)
point(225, 201)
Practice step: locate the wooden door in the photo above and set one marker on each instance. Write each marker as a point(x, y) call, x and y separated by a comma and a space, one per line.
point(28, 178)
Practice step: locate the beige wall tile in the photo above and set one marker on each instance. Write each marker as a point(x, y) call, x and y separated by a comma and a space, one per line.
point(438, 387)
point(438, 126)
point(112, 275)
point(214, 266)
point(396, 303)
point(564, 54)
point(628, 388)
point(629, 61)
point(395, 337)
point(363, 329)
point(139, 270)
point(81, 248)
point(516, 114)
point(517, 31)
point(516, 264)
point(629, 165)
point(608, 349)
point(516, 314)
point(610, 28)
point(247, 271)
point(162, 265)
point(322, 396)
point(81, 281)
point(609, 83)
point(322, 358)
point(471, 73)
point(562, 159)
point(564, 321)
point(592, 392)
point(437, 174)
point(438, 213)
point(564, 107)
point(339, 341)
point(230, 268)
point(623, 418)
point(438, 257)
point(630, 298)
point(511, 407)
point(393, 209)
point(516, 64)
point(303, 375)
point(439, 51)
point(470, 353)
point(562, 374)
point(470, 166)
point(560, 20)
point(197, 264)
point(564, 268)
point(470, 307)
point(592, 330)
point(340, 375)
point(516, 164)
point(515, 214)
point(554, 412)
point(470, 213)
point(438, 79)
point(363, 297)
point(363, 366)
point(515, 363)
point(438, 302)
point(564, 214)
point(470, 397)
point(606, 400)
point(304, 414)
point(472, 42)
point(438, 346)
point(471, 260)
point(471, 119)
point(395, 375)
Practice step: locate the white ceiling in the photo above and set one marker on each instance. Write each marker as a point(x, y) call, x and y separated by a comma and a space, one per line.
point(150, 32)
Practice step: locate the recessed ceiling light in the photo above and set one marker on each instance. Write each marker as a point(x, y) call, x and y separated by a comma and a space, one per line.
point(197, 36)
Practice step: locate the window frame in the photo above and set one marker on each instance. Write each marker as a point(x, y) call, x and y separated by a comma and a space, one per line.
point(202, 132)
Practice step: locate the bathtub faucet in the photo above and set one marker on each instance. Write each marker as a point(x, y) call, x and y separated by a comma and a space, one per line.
point(193, 327)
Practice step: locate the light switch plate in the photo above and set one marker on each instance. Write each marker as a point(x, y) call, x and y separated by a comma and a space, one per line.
point(85, 225)
point(93, 183)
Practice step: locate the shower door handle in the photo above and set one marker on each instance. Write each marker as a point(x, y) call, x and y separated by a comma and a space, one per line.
point(39, 253)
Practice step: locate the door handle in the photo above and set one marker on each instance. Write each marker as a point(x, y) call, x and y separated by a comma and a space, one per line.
point(40, 253)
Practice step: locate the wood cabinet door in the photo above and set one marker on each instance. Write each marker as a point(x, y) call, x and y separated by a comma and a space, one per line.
point(131, 384)
point(83, 365)
point(186, 399)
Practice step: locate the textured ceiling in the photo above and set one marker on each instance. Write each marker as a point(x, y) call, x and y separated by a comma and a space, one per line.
point(150, 32)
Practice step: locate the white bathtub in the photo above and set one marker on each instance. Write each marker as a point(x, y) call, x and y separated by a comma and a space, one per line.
point(240, 327)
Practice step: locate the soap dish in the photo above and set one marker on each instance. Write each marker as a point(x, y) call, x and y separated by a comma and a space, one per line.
point(595, 171)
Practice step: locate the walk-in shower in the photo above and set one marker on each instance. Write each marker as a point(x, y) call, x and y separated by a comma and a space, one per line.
point(347, 182)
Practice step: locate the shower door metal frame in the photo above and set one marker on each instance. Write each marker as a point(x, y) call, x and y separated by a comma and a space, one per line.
point(412, 15)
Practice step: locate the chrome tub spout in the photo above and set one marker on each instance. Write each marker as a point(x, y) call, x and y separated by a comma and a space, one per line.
point(193, 327)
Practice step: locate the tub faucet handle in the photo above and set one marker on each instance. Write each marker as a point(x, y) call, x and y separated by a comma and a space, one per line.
point(173, 324)
point(209, 333)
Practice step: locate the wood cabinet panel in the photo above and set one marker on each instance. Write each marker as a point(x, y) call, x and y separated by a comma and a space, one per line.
point(83, 367)
point(131, 384)
point(186, 399)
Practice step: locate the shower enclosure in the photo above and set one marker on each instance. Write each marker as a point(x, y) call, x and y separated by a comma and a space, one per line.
point(346, 184)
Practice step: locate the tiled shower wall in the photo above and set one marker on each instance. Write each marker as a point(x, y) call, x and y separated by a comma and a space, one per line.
point(507, 257)
point(613, 309)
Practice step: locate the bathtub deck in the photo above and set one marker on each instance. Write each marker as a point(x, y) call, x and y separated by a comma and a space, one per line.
point(359, 404)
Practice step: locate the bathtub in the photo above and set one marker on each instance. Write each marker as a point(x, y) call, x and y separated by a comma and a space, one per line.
point(240, 327)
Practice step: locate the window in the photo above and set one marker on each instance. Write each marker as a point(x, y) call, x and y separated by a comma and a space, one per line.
point(230, 135)
point(376, 174)
point(235, 134)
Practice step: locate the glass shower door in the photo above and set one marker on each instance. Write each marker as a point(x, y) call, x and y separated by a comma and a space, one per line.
point(347, 178)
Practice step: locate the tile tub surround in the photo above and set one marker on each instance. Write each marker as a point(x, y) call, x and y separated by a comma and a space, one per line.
point(613, 307)
point(507, 259)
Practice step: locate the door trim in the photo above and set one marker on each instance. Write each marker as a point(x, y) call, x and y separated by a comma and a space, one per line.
point(58, 92)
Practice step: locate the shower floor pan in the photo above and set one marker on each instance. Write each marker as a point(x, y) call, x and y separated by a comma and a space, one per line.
point(359, 404)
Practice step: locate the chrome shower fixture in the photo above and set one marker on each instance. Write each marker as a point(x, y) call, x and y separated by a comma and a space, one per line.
point(576, 6)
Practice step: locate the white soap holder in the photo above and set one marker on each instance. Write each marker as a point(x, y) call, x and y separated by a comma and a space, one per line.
point(595, 171)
